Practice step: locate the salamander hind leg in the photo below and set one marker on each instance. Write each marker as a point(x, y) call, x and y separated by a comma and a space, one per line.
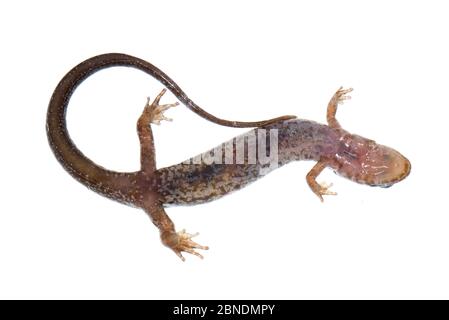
point(152, 113)
point(338, 98)
point(180, 241)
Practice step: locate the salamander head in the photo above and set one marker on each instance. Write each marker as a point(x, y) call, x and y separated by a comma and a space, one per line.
point(364, 161)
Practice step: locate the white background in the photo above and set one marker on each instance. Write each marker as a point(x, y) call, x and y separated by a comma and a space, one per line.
point(240, 60)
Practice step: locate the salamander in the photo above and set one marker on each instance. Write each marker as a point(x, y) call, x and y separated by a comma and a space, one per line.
point(226, 168)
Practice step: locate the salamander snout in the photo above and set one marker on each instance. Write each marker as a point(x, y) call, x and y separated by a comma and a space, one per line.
point(386, 166)
point(364, 161)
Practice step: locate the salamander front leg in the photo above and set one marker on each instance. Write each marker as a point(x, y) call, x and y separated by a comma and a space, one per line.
point(337, 98)
point(180, 241)
point(319, 189)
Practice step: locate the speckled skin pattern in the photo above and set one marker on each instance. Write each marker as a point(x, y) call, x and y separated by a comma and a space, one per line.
point(351, 156)
point(198, 183)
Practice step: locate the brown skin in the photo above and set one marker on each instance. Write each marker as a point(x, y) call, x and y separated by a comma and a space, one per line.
point(152, 189)
point(359, 159)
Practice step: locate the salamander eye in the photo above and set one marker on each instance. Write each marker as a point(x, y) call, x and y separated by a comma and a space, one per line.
point(386, 157)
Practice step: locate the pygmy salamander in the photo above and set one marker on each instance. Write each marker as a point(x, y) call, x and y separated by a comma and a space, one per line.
point(197, 180)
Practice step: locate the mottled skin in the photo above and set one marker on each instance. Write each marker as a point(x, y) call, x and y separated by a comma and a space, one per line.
point(152, 189)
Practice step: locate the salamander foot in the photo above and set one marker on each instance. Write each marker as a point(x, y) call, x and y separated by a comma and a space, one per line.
point(341, 95)
point(322, 189)
point(182, 242)
point(157, 111)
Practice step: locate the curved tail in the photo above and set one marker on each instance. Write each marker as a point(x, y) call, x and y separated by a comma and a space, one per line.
point(65, 150)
